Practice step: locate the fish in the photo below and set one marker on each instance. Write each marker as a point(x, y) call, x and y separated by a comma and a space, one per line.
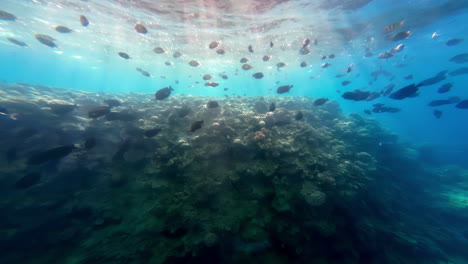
point(90, 143)
point(356, 95)
point(84, 21)
point(460, 58)
point(28, 180)
point(303, 64)
point(207, 77)
point(113, 102)
point(4, 15)
point(385, 55)
point(56, 153)
point(212, 104)
point(141, 29)
point(388, 89)
point(305, 42)
point(451, 100)
point(437, 114)
point(250, 48)
point(46, 40)
point(124, 55)
point(380, 108)
point(462, 104)
point(246, 67)
point(220, 51)
point(408, 77)
point(163, 93)
point(99, 111)
point(144, 73)
point(373, 96)
point(284, 89)
point(323, 58)
point(331, 56)
point(17, 42)
point(176, 54)
point(445, 88)
point(213, 44)
point(194, 63)
point(454, 42)
point(149, 133)
point(325, 65)
point(168, 63)
point(340, 75)
point(212, 84)
point(405, 92)
point(350, 68)
point(266, 58)
point(398, 48)
point(299, 115)
point(63, 29)
point(435, 35)
point(368, 112)
point(280, 65)
point(401, 36)
point(344, 83)
point(304, 51)
point(196, 126)
point(224, 76)
point(244, 60)
point(125, 116)
point(440, 76)
point(368, 55)
point(393, 26)
point(225, 89)
point(459, 71)
point(158, 50)
point(320, 101)
point(272, 107)
point(258, 75)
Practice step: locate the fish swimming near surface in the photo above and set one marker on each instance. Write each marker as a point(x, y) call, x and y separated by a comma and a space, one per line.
point(408, 77)
point(271, 44)
point(356, 95)
point(459, 71)
point(386, 55)
point(196, 126)
point(258, 75)
point(453, 42)
point(266, 58)
point(246, 67)
point(460, 58)
point(124, 55)
point(99, 111)
point(462, 104)
point(304, 51)
point(305, 42)
point(445, 88)
point(393, 26)
point(401, 36)
point(344, 83)
point(158, 50)
point(244, 60)
point(373, 96)
point(56, 153)
point(212, 104)
point(398, 48)
point(405, 92)
point(28, 180)
point(388, 89)
point(320, 101)
point(207, 77)
point(194, 63)
point(284, 89)
point(141, 29)
point(272, 107)
point(212, 84)
point(451, 100)
point(17, 42)
point(437, 114)
point(250, 48)
point(163, 93)
point(280, 65)
point(176, 54)
point(63, 29)
point(220, 51)
point(84, 21)
point(380, 108)
point(4, 15)
point(331, 56)
point(323, 58)
point(303, 64)
point(325, 65)
point(149, 133)
point(440, 76)
point(213, 44)
point(46, 40)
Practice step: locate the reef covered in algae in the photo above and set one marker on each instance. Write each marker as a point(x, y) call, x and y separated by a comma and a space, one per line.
point(251, 185)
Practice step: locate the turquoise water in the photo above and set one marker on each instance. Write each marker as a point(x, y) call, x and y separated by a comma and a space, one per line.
point(87, 60)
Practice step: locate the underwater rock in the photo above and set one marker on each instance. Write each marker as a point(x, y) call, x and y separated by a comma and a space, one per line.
point(261, 107)
point(312, 195)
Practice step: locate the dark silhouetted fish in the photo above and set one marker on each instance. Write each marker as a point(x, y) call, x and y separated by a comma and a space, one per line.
point(143, 72)
point(98, 112)
point(325, 65)
point(462, 104)
point(386, 55)
point(453, 42)
point(220, 51)
point(459, 71)
point(28, 180)
point(320, 101)
point(152, 132)
point(451, 100)
point(284, 89)
point(194, 63)
point(141, 29)
point(51, 154)
point(437, 113)
point(280, 65)
point(212, 84)
point(304, 51)
point(445, 88)
point(266, 58)
point(433, 80)
point(17, 42)
point(250, 48)
point(401, 36)
point(350, 68)
point(303, 64)
point(356, 95)
point(271, 44)
point(207, 77)
point(212, 104)
point(460, 58)
point(408, 77)
point(398, 48)
point(196, 126)
point(46, 40)
point(388, 89)
point(176, 54)
point(167, 63)
point(368, 54)
point(244, 60)
point(323, 58)
point(331, 56)
point(272, 107)
point(125, 116)
point(344, 83)
point(84, 21)
point(158, 50)
point(373, 96)
point(224, 76)
point(305, 42)
point(4, 15)
point(299, 115)
point(214, 44)
point(163, 93)
point(393, 26)
point(246, 67)
point(113, 102)
point(90, 143)
point(368, 112)
point(124, 55)
point(63, 29)
point(405, 92)
point(258, 75)
point(380, 108)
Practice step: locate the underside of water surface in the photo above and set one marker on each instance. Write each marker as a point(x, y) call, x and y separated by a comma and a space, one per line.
point(226, 131)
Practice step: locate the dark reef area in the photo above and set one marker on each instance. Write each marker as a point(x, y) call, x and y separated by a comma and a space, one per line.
point(140, 185)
